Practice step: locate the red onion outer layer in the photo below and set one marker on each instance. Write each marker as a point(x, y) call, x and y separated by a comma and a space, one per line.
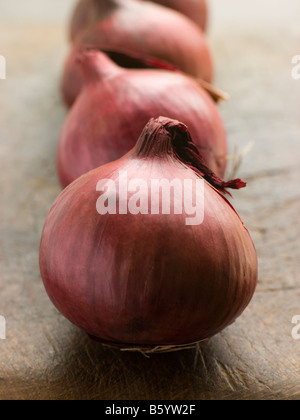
point(148, 31)
point(88, 12)
point(73, 79)
point(114, 107)
point(148, 279)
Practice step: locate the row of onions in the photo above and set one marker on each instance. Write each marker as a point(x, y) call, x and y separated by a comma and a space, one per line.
point(138, 86)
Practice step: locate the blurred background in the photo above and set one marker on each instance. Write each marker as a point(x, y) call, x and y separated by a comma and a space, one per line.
point(44, 357)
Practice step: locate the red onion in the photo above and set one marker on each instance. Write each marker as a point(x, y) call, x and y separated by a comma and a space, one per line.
point(73, 78)
point(115, 105)
point(148, 31)
point(88, 12)
point(127, 269)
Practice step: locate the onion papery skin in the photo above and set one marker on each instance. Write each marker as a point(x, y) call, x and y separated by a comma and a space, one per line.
point(87, 12)
point(147, 280)
point(116, 104)
point(73, 79)
point(148, 31)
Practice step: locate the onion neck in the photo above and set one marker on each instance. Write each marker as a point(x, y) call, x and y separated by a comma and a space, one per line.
point(158, 139)
point(96, 65)
point(167, 138)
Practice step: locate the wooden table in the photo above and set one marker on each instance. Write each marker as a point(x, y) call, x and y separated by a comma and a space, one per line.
point(44, 356)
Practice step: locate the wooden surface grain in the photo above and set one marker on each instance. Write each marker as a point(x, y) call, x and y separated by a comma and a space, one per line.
point(44, 356)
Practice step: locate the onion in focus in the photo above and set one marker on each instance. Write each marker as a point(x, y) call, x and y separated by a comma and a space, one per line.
point(135, 278)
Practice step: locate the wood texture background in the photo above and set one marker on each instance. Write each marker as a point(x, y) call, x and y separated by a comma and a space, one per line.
point(44, 356)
